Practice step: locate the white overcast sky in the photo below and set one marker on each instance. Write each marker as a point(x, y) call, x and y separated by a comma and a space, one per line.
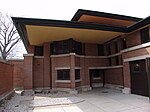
point(65, 9)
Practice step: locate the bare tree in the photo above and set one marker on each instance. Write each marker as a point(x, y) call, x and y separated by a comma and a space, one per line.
point(9, 36)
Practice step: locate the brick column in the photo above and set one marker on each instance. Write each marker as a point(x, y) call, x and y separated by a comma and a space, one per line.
point(126, 74)
point(72, 70)
point(47, 84)
point(28, 72)
point(31, 49)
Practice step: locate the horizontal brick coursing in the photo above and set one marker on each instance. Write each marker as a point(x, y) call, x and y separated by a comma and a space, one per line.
point(17, 73)
point(114, 76)
point(6, 77)
point(133, 39)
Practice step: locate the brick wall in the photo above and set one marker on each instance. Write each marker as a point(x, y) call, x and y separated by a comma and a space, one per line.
point(6, 77)
point(91, 50)
point(114, 76)
point(38, 72)
point(17, 73)
point(133, 39)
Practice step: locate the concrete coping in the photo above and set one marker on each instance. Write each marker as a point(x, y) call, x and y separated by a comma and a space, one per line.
point(31, 54)
point(107, 67)
point(136, 58)
point(63, 81)
point(6, 62)
point(61, 68)
point(97, 78)
point(136, 47)
point(78, 80)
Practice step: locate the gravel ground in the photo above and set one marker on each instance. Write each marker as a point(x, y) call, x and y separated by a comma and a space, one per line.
point(17, 103)
point(28, 102)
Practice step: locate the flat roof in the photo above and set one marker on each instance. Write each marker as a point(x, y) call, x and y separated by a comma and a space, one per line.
point(37, 31)
point(104, 18)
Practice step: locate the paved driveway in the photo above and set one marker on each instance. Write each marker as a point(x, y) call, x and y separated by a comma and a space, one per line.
point(103, 100)
point(97, 100)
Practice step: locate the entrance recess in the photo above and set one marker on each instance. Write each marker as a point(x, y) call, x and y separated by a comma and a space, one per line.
point(96, 78)
point(139, 80)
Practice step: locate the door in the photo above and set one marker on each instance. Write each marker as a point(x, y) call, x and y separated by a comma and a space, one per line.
point(139, 83)
point(96, 78)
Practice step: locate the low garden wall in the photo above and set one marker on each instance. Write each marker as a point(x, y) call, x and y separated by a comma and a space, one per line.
point(6, 79)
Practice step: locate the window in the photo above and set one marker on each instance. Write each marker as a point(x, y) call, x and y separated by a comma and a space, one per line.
point(77, 74)
point(96, 73)
point(100, 50)
point(109, 52)
point(117, 60)
point(66, 46)
point(110, 62)
point(116, 47)
point(124, 43)
point(145, 35)
point(38, 51)
point(63, 74)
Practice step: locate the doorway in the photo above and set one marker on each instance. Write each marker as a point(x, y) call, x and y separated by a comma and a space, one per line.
point(139, 81)
point(97, 78)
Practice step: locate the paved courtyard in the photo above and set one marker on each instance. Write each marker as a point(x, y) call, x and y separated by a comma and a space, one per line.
point(97, 100)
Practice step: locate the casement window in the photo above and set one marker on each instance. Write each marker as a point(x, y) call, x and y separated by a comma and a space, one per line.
point(109, 50)
point(124, 44)
point(77, 74)
point(116, 47)
point(66, 46)
point(63, 74)
point(96, 74)
point(110, 64)
point(117, 60)
point(145, 37)
point(38, 51)
point(100, 50)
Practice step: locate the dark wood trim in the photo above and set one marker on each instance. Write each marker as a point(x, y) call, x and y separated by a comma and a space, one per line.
point(81, 12)
point(148, 74)
point(66, 24)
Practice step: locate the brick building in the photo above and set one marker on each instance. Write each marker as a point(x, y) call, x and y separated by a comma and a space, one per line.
point(94, 49)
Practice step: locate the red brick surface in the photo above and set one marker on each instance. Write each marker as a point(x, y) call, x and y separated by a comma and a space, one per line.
point(38, 74)
point(133, 39)
point(18, 73)
point(91, 50)
point(47, 65)
point(28, 73)
point(6, 77)
point(126, 72)
point(114, 76)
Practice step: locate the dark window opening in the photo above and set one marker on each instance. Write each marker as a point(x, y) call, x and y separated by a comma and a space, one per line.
point(77, 74)
point(108, 49)
point(124, 43)
point(110, 64)
point(63, 74)
point(66, 46)
point(100, 50)
point(116, 47)
point(38, 51)
point(145, 35)
point(96, 73)
point(117, 60)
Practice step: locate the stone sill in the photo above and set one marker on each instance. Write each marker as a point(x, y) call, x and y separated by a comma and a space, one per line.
point(78, 80)
point(136, 47)
point(63, 81)
point(96, 78)
point(108, 67)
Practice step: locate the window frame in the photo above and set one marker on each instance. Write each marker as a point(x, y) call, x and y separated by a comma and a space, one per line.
point(63, 77)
